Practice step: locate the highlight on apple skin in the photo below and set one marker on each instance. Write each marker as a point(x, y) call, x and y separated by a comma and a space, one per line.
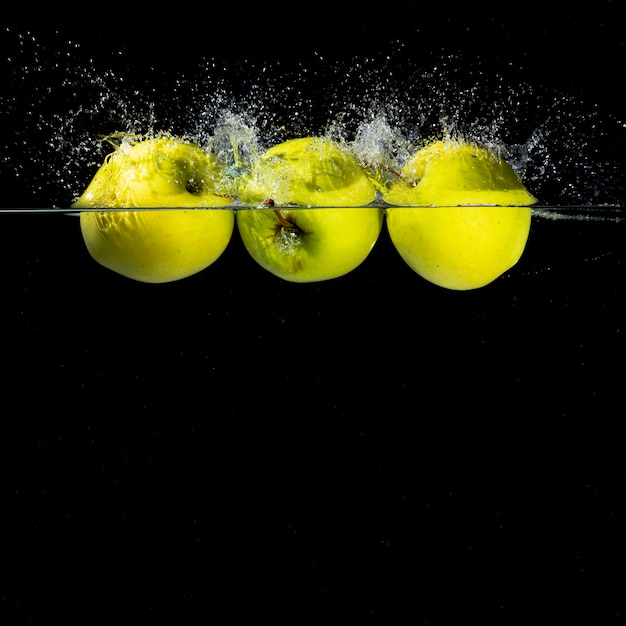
point(461, 214)
point(309, 244)
point(159, 245)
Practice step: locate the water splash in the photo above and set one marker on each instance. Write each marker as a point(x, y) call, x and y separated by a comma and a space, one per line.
point(59, 104)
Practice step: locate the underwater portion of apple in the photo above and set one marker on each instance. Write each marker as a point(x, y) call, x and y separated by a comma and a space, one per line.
point(286, 234)
point(460, 247)
point(161, 244)
point(463, 216)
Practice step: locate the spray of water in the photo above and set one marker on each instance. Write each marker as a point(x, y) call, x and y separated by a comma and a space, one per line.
point(57, 107)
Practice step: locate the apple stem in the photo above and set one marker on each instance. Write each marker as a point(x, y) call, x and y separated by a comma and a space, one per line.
point(283, 220)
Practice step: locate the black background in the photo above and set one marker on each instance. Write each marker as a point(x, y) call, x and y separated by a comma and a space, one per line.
point(232, 448)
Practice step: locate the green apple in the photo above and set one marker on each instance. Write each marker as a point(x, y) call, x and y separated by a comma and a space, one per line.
point(309, 220)
point(156, 244)
point(462, 215)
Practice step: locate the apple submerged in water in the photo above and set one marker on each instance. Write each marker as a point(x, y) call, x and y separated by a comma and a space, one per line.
point(309, 244)
point(462, 217)
point(155, 246)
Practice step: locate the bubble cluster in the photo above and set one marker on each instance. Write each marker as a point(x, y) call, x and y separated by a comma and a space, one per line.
point(58, 104)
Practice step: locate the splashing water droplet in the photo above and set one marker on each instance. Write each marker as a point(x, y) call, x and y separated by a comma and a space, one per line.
point(58, 109)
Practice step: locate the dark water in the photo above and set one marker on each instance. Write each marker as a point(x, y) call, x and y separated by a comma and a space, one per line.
point(238, 448)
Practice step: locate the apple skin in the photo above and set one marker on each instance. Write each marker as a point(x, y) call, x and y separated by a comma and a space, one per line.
point(457, 173)
point(309, 244)
point(155, 246)
point(462, 217)
point(460, 248)
point(308, 171)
